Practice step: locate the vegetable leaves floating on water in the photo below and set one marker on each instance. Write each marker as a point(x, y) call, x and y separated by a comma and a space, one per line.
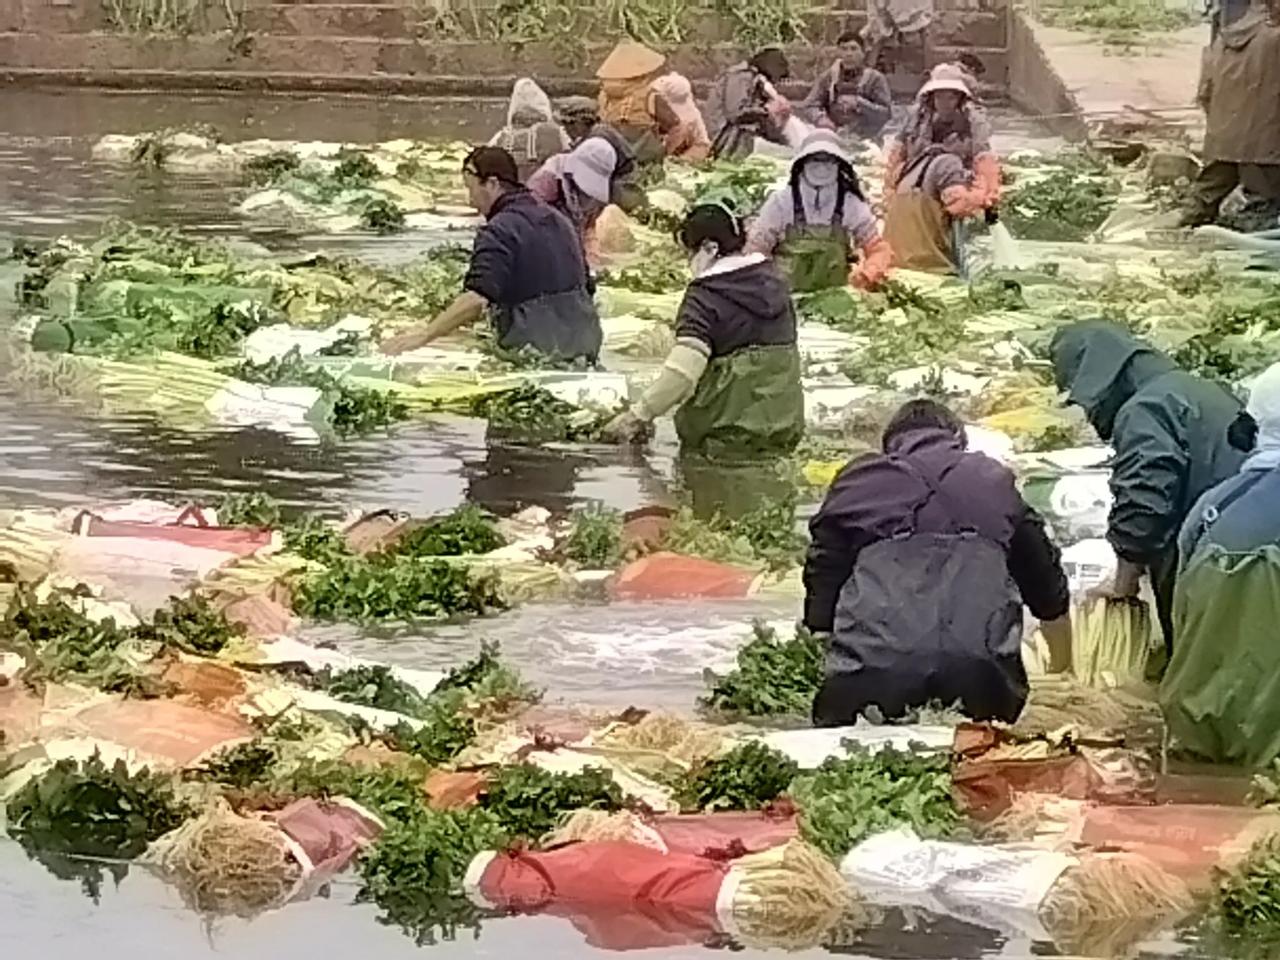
point(528, 801)
point(382, 216)
point(268, 168)
point(384, 587)
point(191, 625)
point(531, 414)
point(249, 510)
point(468, 530)
point(374, 686)
point(772, 677)
point(595, 538)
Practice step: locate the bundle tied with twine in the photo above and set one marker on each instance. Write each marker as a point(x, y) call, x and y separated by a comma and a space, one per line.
point(228, 865)
point(1057, 702)
point(661, 742)
point(1109, 902)
point(790, 898)
point(600, 826)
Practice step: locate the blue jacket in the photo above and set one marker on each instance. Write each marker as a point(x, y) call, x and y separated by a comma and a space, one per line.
point(1240, 514)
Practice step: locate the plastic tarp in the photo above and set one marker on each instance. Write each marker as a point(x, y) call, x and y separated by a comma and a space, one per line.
point(173, 733)
point(294, 411)
point(275, 341)
point(812, 747)
point(330, 833)
point(190, 528)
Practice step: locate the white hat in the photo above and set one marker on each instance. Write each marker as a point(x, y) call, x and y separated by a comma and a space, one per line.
point(591, 164)
point(821, 143)
point(945, 76)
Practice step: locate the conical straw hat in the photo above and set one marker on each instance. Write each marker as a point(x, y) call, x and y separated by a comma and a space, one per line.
point(629, 60)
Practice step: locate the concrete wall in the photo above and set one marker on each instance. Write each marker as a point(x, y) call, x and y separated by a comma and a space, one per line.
point(1034, 85)
point(376, 45)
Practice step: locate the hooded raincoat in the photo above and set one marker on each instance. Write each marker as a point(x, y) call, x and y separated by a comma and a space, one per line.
point(1221, 693)
point(736, 354)
point(813, 227)
point(1169, 432)
point(686, 138)
point(531, 135)
point(920, 562)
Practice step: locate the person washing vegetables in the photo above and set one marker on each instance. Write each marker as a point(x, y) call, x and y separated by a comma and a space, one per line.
point(1218, 694)
point(1169, 432)
point(527, 268)
point(920, 561)
point(734, 371)
point(814, 224)
point(940, 171)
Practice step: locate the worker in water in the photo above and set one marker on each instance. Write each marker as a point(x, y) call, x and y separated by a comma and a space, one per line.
point(683, 130)
point(1240, 93)
point(580, 117)
point(816, 223)
point(745, 104)
point(628, 101)
point(578, 184)
point(850, 97)
point(527, 268)
point(940, 170)
point(1218, 694)
point(1169, 432)
point(531, 135)
point(734, 371)
point(920, 561)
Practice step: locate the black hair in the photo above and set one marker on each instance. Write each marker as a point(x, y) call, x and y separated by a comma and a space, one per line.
point(921, 414)
point(847, 179)
point(1243, 432)
point(849, 37)
point(773, 63)
point(972, 63)
point(492, 163)
point(712, 222)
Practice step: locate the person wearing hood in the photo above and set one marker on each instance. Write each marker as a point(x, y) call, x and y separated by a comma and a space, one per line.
point(920, 561)
point(814, 224)
point(684, 132)
point(531, 135)
point(1169, 432)
point(527, 269)
point(850, 97)
point(939, 170)
point(745, 104)
point(1218, 694)
point(580, 117)
point(578, 184)
point(734, 371)
point(1240, 93)
point(628, 100)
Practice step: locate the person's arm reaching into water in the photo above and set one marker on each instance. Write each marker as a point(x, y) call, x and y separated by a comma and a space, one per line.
point(467, 308)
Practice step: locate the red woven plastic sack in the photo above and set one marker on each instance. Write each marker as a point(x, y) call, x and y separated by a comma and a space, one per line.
point(716, 834)
point(621, 896)
point(668, 576)
point(330, 833)
point(190, 529)
point(1188, 840)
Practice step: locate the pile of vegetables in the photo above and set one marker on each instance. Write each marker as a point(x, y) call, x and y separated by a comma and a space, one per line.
point(531, 414)
point(772, 678)
point(1068, 202)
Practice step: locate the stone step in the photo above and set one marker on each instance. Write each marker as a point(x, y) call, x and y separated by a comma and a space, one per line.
point(971, 29)
point(376, 20)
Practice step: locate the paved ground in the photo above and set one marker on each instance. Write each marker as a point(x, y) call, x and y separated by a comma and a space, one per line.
point(1160, 77)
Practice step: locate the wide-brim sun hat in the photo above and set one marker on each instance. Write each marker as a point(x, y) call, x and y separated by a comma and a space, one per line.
point(945, 76)
point(822, 143)
point(591, 164)
point(630, 60)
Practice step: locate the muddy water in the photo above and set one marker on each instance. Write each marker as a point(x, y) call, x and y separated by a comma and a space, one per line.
point(54, 453)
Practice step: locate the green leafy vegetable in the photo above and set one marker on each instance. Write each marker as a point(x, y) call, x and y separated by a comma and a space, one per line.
point(847, 800)
point(382, 216)
point(749, 777)
point(1064, 204)
point(772, 678)
point(766, 535)
point(191, 625)
point(468, 530)
point(382, 587)
point(91, 809)
point(373, 686)
point(249, 510)
point(595, 538)
point(313, 538)
point(63, 645)
point(531, 414)
point(242, 766)
point(1246, 902)
point(268, 168)
point(528, 801)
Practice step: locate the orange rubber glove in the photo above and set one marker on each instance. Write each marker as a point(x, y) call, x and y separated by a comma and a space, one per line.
point(871, 270)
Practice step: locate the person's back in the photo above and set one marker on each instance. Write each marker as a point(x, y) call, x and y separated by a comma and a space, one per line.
point(920, 562)
point(531, 134)
point(529, 263)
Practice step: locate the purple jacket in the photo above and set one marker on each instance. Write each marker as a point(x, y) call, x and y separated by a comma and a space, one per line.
point(879, 497)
